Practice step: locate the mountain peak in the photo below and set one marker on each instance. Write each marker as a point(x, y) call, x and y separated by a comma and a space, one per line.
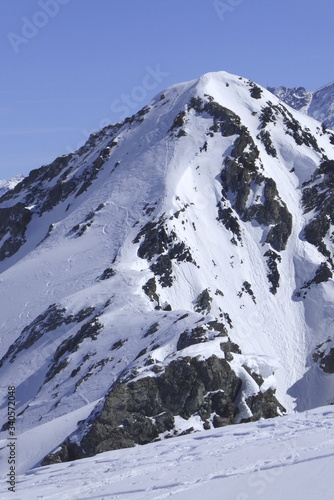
point(173, 273)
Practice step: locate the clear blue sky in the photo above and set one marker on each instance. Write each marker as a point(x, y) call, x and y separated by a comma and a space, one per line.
point(68, 67)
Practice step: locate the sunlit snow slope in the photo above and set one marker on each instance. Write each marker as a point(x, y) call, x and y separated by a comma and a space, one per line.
point(178, 268)
point(290, 457)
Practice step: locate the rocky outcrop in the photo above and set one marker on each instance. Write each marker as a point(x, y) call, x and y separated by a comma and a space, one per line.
point(318, 197)
point(161, 246)
point(13, 226)
point(242, 170)
point(141, 411)
point(44, 324)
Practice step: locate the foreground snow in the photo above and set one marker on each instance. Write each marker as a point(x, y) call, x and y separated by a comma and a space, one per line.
point(290, 457)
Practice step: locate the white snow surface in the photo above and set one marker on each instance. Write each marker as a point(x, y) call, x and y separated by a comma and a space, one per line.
point(275, 332)
point(290, 457)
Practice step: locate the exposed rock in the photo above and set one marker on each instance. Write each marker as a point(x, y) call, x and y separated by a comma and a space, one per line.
point(265, 138)
point(230, 221)
point(203, 302)
point(322, 274)
point(241, 170)
point(157, 241)
point(264, 405)
point(327, 362)
point(137, 412)
point(255, 92)
point(325, 355)
point(318, 196)
point(200, 334)
point(45, 323)
point(163, 268)
point(225, 120)
point(273, 275)
point(13, 225)
point(178, 121)
point(107, 273)
point(150, 289)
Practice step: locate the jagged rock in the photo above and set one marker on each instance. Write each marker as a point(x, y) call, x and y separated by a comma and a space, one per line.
point(327, 362)
point(256, 92)
point(265, 405)
point(163, 267)
point(265, 138)
point(156, 241)
point(139, 411)
point(150, 289)
point(318, 196)
point(273, 275)
point(13, 220)
point(107, 273)
point(230, 221)
point(229, 347)
point(160, 201)
point(203, 302)
point(178, 121)
point(322, 274)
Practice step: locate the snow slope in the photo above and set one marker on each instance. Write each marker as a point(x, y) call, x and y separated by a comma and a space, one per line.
point(169, 238)
point(291, 457)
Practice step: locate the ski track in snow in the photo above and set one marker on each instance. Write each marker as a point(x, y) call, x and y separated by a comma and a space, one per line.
point(289, 457)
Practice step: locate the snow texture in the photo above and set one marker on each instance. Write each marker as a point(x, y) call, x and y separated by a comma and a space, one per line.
point(290, 457)
point(75, 316)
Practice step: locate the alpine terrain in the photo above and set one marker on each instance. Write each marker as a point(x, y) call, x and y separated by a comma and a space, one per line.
point(172, 275)
point(319, 104)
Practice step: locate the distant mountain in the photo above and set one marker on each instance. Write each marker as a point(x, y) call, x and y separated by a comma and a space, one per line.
point(6, 185)
point(172, 275)
point(298, 98)
point(319, 104)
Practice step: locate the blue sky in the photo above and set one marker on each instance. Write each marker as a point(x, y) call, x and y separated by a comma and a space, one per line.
point(69, 67)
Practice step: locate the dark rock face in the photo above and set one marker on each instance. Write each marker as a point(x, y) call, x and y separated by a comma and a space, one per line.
point(230, 221)
point(203, 302)
point(150, 289)
point(322, 274)
point(225, 120)
point(273, 274)
point(271, 112)
point(13, 221)
point(264, 405)
point(325, 356)
point(201, 334)
point(327, 362)
point(255, 92)
point(107, 273)
point(265, 138)
point(45, 323)
point(161, 247)
point(318, 196)
point(241, 170)
point(137, 412)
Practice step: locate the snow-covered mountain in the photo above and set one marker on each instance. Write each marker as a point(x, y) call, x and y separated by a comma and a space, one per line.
point(319, 104)
point(174, 274)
